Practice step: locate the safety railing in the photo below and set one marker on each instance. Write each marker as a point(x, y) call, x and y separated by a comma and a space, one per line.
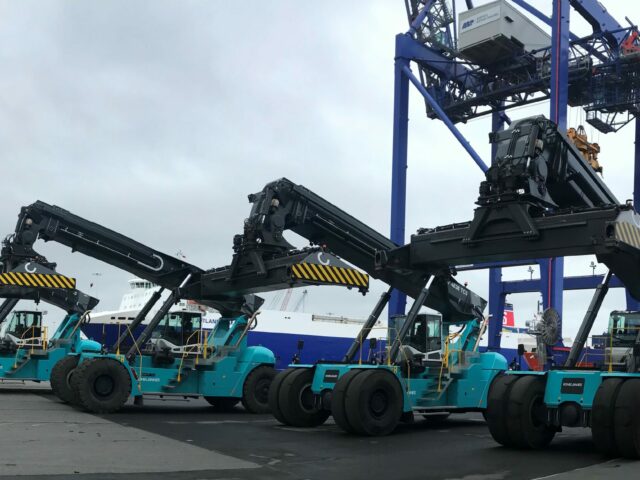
point(38, 342)
point(200, 349)
point(192, 349)
point(627, 349)
point(446, 353)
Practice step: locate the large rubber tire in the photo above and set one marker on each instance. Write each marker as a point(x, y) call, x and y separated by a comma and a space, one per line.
point(222, 404)
point(338, 409)
point(274, 392)
point(255, 391)
point(626, 419)
point(602, 426)
point(61, 378)
point(525, 408)
point(103, 385)
point(373, 403)
point(496, 412)
point(297, 401)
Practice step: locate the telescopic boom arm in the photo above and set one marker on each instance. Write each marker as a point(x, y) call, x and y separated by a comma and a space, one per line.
point(263, 257)
point(51, 223)
point(540, 199)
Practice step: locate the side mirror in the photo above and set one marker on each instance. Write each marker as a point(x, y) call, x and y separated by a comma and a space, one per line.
point(521, 349)
point(373, 343)
point(300, 344)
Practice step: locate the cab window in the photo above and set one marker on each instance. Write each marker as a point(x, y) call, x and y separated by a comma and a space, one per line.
point(624, 328)
point(425, 334)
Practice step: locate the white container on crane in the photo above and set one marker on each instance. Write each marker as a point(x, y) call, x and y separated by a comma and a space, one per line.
point(496, 31)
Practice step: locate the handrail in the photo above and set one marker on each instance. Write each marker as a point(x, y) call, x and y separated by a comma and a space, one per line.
point(45, 337)
point(185, 352)
point(445, 356)
point(22, 337)
point(628, 329)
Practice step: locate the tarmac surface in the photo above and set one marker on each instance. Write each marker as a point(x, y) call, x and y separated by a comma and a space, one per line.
point(185, 440)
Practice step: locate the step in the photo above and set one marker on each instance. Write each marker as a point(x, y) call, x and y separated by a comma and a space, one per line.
point(39, 353)
point(174, 382)
point(18, 366)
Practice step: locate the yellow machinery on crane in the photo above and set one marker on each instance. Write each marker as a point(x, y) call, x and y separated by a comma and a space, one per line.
point(588, 150)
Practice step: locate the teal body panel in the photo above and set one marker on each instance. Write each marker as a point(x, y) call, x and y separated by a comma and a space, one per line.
point(36, 365)
point(36, 368)
point(467, 389)
point(222, 374)
point(573, 386)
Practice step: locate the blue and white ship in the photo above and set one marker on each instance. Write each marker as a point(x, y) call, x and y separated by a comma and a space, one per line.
point(289, 334)
point(305, 337)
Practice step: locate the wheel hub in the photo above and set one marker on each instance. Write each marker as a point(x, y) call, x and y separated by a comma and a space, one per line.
point(378, 403)
point(103, 385)
point(538, 411)
point(262, 390)
point(68, 377)
point(306, 399)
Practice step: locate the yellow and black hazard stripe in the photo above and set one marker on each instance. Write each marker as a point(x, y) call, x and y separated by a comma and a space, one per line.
point(628, 234)
point(42, 280)
point(329, 274)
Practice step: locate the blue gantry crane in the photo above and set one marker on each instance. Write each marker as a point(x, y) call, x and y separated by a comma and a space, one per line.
point(599, 73)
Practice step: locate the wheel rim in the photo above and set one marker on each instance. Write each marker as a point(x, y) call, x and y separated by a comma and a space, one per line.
point(68, 378)
point(378, 403)
point(537, 411)
point(262, 390)
point(306, 399)
point(103, 386)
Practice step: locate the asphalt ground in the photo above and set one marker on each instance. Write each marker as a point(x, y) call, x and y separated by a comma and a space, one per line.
point(185, 440)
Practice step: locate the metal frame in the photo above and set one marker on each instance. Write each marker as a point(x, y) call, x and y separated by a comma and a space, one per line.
point(455, 78)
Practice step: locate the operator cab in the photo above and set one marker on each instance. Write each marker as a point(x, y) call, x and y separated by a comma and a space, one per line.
point(423, 345)
point(22, 328)
point(622, 346)
point(425, 335)
point(174, 335)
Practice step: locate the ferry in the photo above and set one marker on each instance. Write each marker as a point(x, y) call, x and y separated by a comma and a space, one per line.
point(293, 336)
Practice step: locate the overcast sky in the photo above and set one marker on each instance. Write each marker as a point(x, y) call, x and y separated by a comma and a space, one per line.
point(157, 118)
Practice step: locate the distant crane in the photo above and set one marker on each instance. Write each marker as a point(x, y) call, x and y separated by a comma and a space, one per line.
point(301, 301)
point(285, 300)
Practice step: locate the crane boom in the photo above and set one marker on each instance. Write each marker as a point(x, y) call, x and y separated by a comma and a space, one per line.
point(52, 223)
point(540, 199)
point(262, 255)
